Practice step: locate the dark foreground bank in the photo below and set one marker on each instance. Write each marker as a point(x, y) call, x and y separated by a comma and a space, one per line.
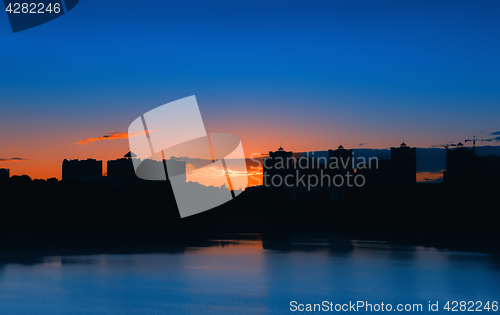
point(87, 216)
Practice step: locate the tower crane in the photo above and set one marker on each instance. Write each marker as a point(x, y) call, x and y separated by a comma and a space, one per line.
point(446, 146)
point(473, 140)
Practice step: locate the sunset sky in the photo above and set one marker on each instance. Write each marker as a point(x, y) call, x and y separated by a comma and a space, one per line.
point(309, 75)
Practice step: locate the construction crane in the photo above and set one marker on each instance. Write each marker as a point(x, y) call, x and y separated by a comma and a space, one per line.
point(473, 140)
point(446, 146)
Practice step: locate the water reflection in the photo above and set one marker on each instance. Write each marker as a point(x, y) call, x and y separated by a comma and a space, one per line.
point(238, 274)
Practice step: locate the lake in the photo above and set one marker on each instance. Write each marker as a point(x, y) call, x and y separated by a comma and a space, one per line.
point(250, 274)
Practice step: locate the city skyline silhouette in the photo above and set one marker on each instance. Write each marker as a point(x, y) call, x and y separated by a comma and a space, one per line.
point(120, 169)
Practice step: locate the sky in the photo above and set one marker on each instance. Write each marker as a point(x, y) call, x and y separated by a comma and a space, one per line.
point(307, 75)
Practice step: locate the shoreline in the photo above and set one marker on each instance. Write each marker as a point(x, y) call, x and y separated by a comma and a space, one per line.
point(24, 249)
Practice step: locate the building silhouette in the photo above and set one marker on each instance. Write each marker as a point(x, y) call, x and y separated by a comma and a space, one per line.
point(461, 163)
point(89, 170)
point(403, 166)
point(121, 170)
point(343, 158)
point(281, 164)
point(4, 174)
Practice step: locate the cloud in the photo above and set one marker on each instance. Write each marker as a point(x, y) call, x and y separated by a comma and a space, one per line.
point(496, 139)
point(112, 136)
point(13, 159)
point(361, 144)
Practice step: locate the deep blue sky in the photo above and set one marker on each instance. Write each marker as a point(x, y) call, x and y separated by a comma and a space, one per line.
point(308, 73)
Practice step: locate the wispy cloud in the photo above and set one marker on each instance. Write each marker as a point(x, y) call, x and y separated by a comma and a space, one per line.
point(112, 136)
point(13, 159)
point(496, 139)
point(361, 144)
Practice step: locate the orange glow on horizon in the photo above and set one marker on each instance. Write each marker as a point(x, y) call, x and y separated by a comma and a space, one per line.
point(40, 155)
point(423, 177)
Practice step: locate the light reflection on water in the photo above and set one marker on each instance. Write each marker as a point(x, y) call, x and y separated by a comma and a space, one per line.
point(254, 275)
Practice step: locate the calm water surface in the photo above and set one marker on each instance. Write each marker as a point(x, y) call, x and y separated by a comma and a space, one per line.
point(247, 276)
